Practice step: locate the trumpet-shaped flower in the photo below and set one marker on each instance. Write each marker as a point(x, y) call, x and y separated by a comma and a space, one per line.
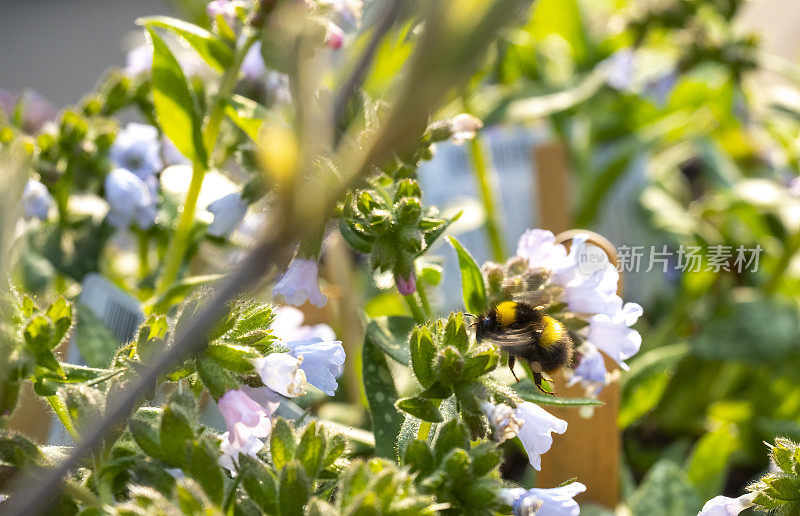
point(228, 212)
point(724, 506)
point(288, 326)
point(590, 371)
point(230, 453)
point(244, 417)
point(137, 149)
point(541, 250)
point(557, 501)
point(36, 200)
point(592, 293)
point(504, 421)
point(253, 67)
point(322, 362)
point(130, 200)
point(300, 284)
point(282, 373)
point(612, 333)
point(536, 429)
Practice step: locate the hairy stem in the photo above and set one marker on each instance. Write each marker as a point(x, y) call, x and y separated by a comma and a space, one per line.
point(416, 312)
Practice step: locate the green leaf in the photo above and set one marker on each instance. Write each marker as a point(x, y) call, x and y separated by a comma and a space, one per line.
point(421, 408)
point(353, 238)
point(390, 334)
point(423, 352)
point(452, 435)
point(434, 234)
point(311, 449)
point(146, 436)
point(204, 467)
point(232, 357)
point(529, 392)
point(334, 450)
point(282, 443)
point(645, 384)
point(216, 379)
point(665, 491)
point(60, 312)
point(248, 114)
point(213, 51)
point(381, 396)
point(175, 434)
point(481, 363)
point(260, 483)
point(294, 491)
point(472, 288)
point(94, 340)
point(174, 104)
point(707, 467)
point(419, 456)
point(179, 290)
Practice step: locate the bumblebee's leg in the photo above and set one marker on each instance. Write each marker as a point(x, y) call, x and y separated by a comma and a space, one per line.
point(537, 379)
point(511, 362)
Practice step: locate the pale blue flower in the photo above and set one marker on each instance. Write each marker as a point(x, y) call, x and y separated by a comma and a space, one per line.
point(228, 212)
point(137, 149)
point(130, 200)
point(557, 501)
point(590, 371)
point(322, 361)
point(620, 69)
point(535, 432)
point(539, 247)
point(725, 506)
point(612, 333)
point(300, 284)
point(253, 67)
point(36, 200)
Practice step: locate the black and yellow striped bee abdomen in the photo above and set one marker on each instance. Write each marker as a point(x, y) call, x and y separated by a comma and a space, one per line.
point(526, 333)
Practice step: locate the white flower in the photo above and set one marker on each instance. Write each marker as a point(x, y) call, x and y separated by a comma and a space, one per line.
point(724, 506)
point(794, 186)
point(139, 60)
point(591, 371)
point(612, 333)
point(620, 69)
point(557, 501)
point(36, 200)
point(228, 212)
point(267, 398)
point(230, 453)
point(505, 423)
point(130, 200)
point(300, 284)
point(322, 362)
point(586, 293)
point(537, 425)
point(464, 127)
point(540, 248)
point(253, 66)
point(137, 149)
point(224, 8)
point(282, 373)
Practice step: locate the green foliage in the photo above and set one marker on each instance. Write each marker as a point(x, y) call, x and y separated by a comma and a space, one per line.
point(779, 492)
point(665, 491)
point(472, 287)
point(381, 395)
point(456, 472)
point(213, 51)
point(175, 107)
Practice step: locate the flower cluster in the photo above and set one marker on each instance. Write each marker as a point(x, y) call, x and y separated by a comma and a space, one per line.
point(584, 294)
point(313, 357)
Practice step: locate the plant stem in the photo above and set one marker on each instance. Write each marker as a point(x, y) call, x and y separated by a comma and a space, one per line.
point(415, 309)
point(180, 242)
point(483, 174)
point(144, 252)
point(791, 248)
point(423, 297)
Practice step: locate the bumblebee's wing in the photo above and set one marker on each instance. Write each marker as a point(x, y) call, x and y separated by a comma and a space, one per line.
point(515, 336)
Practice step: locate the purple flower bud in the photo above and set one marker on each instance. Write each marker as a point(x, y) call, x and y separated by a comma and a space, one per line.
point(406, 286)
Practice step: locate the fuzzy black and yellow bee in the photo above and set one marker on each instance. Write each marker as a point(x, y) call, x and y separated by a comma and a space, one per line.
point(526, 333)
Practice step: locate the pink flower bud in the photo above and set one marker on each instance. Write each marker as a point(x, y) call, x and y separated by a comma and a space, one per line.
point(334, 38)
point(406, 286)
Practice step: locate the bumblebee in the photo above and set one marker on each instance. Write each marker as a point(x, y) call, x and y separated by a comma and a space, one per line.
point(528, 334)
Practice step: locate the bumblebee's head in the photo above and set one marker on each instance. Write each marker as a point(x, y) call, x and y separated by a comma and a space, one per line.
point(484, 324)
